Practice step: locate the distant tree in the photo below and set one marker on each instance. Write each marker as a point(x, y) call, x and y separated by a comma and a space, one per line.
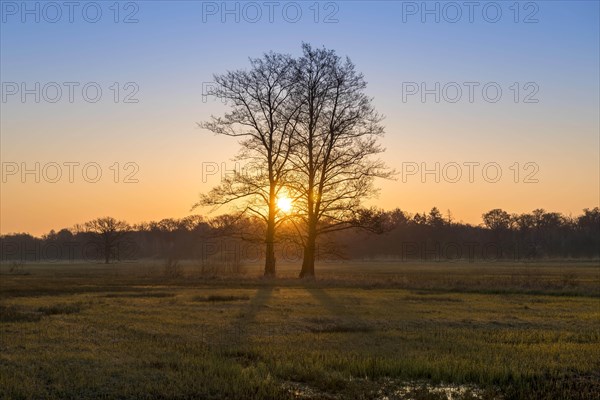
point(497, 219)
point(537, 217)
point(450, 217)
point(525, 222)
point(64, 235)
point(435, 218)
point(590, 220)
point(588, 228)
point(552, 221)
point(50, 236)
point(191, 222)
point(109, 233)
point(397, 217)
point(420, 219)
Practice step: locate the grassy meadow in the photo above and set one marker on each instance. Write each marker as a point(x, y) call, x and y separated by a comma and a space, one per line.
point(377, 330)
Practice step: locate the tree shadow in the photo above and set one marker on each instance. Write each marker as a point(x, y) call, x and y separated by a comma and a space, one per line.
point(343, 319)
point(239, 331)
point(333, 306)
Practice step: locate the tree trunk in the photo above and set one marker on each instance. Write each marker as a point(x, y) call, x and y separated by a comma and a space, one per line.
point(270, 270)
point(308, 263)
point(106, 254)
point(270, 251)
point(308, 259)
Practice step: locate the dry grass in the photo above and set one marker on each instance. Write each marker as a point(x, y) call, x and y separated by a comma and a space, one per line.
point(220, 297)
point(361, 331)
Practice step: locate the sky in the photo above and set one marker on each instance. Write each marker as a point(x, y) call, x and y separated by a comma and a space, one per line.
point(487, 105)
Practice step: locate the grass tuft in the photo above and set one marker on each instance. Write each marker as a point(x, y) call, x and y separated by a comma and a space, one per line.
point(331, 325)
point(61, 308)
point(140, 295)
point(12, 313)
point(218, 297)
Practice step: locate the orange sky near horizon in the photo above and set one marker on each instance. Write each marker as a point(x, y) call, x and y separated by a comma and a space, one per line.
point(170, 178)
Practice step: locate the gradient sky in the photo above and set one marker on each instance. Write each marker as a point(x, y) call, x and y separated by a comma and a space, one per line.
point(175, 48)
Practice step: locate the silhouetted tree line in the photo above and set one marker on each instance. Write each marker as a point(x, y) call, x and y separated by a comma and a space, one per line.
point(399, 235)
point(501, 235)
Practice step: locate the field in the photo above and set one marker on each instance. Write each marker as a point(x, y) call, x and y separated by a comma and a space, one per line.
point(379, 330)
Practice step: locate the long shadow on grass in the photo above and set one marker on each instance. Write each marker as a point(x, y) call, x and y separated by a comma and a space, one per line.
point(340, 319)
point(239, 331)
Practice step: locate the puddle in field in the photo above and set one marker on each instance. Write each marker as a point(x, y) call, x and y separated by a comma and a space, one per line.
point(447, 392)
point(388, 389)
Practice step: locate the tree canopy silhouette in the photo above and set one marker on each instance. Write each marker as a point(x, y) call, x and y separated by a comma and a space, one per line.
point(333, 148)
point(308, 130)
point(109, 232)
point(263, 115)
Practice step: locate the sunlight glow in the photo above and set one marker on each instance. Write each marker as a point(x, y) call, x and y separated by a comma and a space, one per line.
point(284, 204)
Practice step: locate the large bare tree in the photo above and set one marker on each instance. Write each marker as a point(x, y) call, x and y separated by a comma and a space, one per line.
point(263, 115)
point(334, 149)
point(109, 233)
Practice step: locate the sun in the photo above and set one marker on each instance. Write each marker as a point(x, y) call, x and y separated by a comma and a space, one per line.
point(284, 204)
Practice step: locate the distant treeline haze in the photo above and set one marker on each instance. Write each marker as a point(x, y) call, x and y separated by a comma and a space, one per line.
point(400, 235)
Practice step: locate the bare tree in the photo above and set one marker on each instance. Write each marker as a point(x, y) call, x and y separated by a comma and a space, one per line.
point(109, 232)
point(263, 115)
point(497, 220)
point(334, 148)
